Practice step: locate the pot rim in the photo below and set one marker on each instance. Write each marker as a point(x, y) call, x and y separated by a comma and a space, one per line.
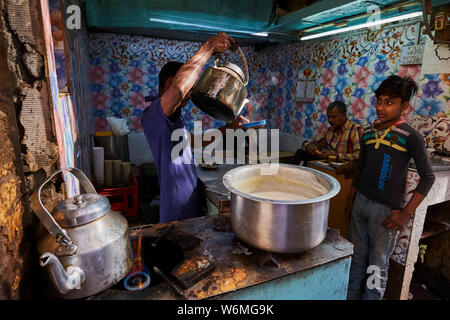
point(335, 187)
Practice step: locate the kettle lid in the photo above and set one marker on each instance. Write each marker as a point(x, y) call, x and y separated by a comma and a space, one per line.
point(235, 68)
point(81, 209)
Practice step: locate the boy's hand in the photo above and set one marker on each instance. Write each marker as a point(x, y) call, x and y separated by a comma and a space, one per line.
point(397, 220)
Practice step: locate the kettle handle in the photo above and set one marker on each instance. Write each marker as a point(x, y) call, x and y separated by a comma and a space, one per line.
point(47, 219)
point(244, 64)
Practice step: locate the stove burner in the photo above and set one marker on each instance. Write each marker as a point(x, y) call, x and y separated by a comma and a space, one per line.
point(137, 280)
point(264, 258)
point(268, 259)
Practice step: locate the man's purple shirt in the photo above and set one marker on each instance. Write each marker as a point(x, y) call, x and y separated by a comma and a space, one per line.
point(177, 179)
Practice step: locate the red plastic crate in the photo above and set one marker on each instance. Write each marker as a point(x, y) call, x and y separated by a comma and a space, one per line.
point(123, 199)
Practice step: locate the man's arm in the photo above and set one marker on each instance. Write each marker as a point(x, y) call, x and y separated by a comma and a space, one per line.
point(200, 137)
point(186, 77)
point(237, 123)
point(317, 144)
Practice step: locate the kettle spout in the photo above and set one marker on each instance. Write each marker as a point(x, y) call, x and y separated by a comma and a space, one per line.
point(65, 279)
point(238, 111)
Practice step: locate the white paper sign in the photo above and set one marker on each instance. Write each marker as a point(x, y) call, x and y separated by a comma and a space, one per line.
point(310, 86)
point(305, 91)
point(412, 54)
point(301, 89)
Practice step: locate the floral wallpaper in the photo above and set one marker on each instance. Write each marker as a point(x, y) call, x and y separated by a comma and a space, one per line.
point(434, 94)
point(124, 69)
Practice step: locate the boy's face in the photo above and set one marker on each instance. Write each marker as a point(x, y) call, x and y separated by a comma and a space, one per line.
point(389, 109)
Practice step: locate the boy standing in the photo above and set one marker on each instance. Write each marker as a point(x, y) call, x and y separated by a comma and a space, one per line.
point(375, 201)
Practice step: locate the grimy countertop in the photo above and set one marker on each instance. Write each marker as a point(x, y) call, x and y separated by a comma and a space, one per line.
point(212, 178)
point(212, 186)
point(237, 266)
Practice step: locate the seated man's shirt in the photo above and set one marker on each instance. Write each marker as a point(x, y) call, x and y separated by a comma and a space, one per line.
point(345, 142)
point(177, 179)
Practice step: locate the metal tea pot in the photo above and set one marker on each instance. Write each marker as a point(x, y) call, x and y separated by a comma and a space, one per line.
point(220, 91)
point(93, 251)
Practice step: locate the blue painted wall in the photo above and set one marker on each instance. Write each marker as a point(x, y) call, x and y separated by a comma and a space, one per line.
point(325, 282)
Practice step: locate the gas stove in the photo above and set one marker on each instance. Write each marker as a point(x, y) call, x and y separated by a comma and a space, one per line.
point(228, 266)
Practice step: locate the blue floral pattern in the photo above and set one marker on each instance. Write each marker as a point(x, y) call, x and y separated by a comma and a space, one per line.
point(347, 69)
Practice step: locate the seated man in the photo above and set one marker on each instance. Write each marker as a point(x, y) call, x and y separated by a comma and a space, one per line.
point(340, 142)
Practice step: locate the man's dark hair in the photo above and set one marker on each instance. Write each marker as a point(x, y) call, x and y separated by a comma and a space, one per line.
point(342, 108)
point(397, 87)
point(170, 69)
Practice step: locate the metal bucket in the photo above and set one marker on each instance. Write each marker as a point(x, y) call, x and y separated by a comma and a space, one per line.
point(282, 226)
point(115, 147)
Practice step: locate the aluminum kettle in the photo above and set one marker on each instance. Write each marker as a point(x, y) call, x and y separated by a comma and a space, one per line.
point(88, 249)
point(220, 91)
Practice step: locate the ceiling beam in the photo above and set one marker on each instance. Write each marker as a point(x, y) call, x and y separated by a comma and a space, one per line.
point(296, 17)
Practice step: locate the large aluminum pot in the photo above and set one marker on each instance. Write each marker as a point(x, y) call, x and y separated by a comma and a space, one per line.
point(87, 249)
point(281, 226)
point(220, 91)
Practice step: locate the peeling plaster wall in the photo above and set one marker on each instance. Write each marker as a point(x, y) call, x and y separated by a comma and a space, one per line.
point(28, 150)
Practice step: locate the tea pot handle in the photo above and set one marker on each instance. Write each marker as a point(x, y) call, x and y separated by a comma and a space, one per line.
point(47, 219)
point(243, 60)
point(244, 64)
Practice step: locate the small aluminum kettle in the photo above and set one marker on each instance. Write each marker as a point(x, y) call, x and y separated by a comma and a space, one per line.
point(93, 251)
point(220, 91)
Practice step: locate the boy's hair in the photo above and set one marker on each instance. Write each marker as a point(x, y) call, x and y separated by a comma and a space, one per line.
point(342, 108)
point(170, 69)
point(397, 87)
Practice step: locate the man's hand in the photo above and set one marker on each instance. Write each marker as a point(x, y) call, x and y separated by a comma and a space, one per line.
point(325, 154)
point(221, 42)
point(312, 149)
point(397, 220)
point(238, 122)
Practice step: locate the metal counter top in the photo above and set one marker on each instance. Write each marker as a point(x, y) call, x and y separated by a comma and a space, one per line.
point(237, 266)
point(212, 178)
point(212, 186)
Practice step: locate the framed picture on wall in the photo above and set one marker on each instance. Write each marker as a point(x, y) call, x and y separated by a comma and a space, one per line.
point(305, 90)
